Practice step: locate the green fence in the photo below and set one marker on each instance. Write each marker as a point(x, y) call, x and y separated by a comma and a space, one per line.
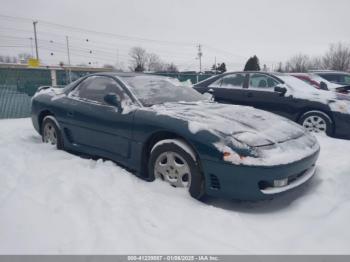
point(18, 85)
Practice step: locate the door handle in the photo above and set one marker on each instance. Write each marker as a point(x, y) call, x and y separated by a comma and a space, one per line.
point(70, 114)
point(250, 95)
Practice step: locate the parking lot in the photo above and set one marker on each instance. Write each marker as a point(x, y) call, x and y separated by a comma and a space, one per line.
point(54, 202)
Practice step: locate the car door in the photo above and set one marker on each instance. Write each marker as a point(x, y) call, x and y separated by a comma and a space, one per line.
point(230, 89)
point(93, 124)
point(261, 94)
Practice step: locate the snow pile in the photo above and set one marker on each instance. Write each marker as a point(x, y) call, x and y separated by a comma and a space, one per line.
point(54, 202)
point(187, 83)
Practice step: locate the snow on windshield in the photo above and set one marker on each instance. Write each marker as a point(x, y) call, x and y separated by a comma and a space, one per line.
point(152, 90)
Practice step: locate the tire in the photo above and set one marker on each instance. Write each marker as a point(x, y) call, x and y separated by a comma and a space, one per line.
point(317, 122)
point(162, 155)
point(51, 133)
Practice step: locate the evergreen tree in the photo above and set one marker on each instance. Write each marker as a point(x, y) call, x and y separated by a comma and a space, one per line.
point(252, 64)
point(221, 68)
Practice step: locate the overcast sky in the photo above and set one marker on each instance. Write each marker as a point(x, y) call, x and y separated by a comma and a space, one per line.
point(231, 30)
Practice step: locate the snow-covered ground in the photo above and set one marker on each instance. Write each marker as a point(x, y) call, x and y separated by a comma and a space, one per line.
point(55, 202)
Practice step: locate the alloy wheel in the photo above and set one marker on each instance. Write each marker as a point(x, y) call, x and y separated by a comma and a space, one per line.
point(49, 134)
point(315, 124)
point(174, 169)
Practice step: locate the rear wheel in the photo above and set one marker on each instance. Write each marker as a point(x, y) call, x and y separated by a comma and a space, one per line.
point(51, 133)
point(174, 165)
point(317, 122)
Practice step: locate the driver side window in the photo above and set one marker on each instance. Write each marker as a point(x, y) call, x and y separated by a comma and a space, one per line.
point(94, 89)
point(262, 81)
point(230, 81)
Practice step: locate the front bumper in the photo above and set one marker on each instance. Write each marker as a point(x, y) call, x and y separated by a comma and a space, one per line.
point(255, 182)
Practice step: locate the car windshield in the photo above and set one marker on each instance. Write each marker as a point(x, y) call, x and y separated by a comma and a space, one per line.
point(152, 90)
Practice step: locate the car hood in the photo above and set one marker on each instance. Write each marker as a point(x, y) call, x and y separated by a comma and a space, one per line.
point(246, 124)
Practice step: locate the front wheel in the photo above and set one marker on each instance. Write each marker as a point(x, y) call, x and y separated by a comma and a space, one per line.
point(317, 122)
point(172, 163)
point(51, 133)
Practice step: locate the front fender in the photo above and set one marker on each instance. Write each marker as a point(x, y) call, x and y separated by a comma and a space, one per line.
point(148, 123)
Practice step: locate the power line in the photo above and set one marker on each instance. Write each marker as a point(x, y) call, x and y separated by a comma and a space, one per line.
point(77, 29)
point(103, 49)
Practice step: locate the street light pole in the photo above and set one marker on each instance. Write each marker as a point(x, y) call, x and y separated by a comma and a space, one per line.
point(68, 55)
point(36, 40)
point(200, 57)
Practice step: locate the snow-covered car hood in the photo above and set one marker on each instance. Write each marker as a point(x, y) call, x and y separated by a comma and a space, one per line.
point(254, 127)
point(269, 138)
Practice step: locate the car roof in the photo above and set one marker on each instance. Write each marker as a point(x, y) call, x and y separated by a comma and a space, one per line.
point(127, 74)
point(119, 73)
point(328, 72)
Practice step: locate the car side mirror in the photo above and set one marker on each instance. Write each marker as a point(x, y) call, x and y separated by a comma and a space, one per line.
point(114, 100)
point(323, 86)
point(210, 91)
point(281, 90)
point(209, 94)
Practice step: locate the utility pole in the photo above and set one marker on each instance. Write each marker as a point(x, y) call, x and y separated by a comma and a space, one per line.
point(200, 54)
point(31, 45)
point(118, 59)
point(215, 65)
point(36, 40)
point(68, 55)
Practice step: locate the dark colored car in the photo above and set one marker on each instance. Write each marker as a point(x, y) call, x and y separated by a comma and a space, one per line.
point(340, 78)
point(316, 110)
point(159, 129)
point(321, 83)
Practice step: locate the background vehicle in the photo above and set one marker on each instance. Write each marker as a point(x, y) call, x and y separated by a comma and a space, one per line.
point(321, 83)
point(138, 121)
point(316, 110)
point(308, 79)
point(337, 77)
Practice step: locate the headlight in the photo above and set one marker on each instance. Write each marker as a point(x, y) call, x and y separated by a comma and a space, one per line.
point(252, 139)
point(235, 151)
point(341, 106)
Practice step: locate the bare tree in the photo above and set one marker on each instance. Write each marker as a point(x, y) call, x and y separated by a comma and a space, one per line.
point(316, 63)
point(298, 63)
point(155, 63)
point(280, 67)
point(337, 57)
point(139, 58)
point(171, 68)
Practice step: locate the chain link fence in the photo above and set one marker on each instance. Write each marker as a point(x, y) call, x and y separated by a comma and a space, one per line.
point(18, 85)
